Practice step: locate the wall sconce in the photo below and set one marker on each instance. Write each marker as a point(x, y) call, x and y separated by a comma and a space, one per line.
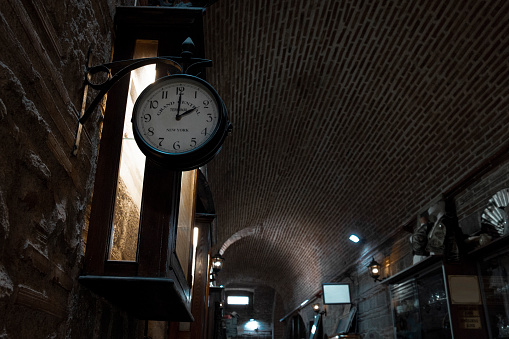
point(374, 269)
point(316, 308)
point(217, 263)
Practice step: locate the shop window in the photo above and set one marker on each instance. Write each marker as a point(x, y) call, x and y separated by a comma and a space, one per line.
point(495, 282)
point(124, 239)
point(420, 307)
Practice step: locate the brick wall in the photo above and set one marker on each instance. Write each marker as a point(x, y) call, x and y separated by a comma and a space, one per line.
point(278, 314)
point(349, 117)
point(373, 298)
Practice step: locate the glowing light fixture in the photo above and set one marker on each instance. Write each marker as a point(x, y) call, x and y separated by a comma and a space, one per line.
point(304, 302)
point(195, 245)
point(354, 238)
point(252, 325)
point(316, 308)
point(217, 263)
point(374, 269)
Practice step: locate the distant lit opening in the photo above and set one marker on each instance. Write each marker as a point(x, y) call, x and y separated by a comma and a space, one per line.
point(251, 325)
point(195, 245)
point(354, 238)
point(184, 242)
point(237, 300)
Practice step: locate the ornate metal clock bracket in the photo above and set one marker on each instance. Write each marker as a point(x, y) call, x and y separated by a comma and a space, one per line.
point(182, 64)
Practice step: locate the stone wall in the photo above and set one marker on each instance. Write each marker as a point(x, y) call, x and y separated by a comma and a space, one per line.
point(44, 190)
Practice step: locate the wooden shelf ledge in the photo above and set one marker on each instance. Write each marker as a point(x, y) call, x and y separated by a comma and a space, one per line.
point(145, 298)
point(414, 270)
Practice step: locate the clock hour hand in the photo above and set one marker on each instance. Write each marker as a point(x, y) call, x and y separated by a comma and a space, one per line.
point(179, 116)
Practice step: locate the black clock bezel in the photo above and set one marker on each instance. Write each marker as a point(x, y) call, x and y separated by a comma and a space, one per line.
point(192, 159)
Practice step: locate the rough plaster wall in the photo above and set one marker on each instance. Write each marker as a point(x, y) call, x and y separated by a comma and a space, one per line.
point(44, 191)
point(125, 238)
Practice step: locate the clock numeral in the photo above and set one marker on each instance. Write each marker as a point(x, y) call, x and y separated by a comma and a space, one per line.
point(180, 90)
point(154, 104)
point(195, 94)
point(209, 118)
point(164, 95)
point(204, 132)
point(161, 141)
point(150, 131)
point(176, 145)
point(206, 103)
point(147, 117)
point(193, 142)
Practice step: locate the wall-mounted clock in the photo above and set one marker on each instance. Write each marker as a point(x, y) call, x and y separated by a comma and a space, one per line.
point(180, 121)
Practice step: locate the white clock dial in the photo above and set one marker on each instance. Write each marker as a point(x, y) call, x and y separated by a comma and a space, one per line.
point(176, 116)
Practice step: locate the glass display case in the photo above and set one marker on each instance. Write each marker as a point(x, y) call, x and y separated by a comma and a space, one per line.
point(495, 284)
point(420, 307)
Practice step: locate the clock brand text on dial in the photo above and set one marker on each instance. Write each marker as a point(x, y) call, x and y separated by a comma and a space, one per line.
point(185, 130)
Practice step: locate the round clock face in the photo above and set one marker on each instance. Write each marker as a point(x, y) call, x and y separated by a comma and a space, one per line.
point(177, 115)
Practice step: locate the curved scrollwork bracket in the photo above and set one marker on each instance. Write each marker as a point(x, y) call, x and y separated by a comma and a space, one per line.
point(183, 64)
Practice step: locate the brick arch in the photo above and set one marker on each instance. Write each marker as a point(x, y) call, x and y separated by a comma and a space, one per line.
point(245, 232)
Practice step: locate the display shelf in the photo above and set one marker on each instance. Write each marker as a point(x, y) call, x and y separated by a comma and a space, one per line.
point(492, 247)
point(414, 270)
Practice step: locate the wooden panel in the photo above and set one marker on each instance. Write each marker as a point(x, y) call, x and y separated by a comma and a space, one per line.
point(159, 209)
point(121, 268)
point(199, 300)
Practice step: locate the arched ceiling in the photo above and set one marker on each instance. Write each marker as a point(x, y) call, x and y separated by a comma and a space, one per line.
point(348, 116)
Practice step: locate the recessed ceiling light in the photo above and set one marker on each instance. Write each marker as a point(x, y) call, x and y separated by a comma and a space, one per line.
point(354, 238)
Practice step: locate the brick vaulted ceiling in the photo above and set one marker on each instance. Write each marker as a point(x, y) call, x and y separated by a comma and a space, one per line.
point(348, 116)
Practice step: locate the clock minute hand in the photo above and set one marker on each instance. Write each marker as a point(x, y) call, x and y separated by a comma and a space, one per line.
point(178, 107)
point(179, 116)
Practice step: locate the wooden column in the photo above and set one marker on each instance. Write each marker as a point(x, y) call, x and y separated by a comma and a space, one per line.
point(201, 278)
